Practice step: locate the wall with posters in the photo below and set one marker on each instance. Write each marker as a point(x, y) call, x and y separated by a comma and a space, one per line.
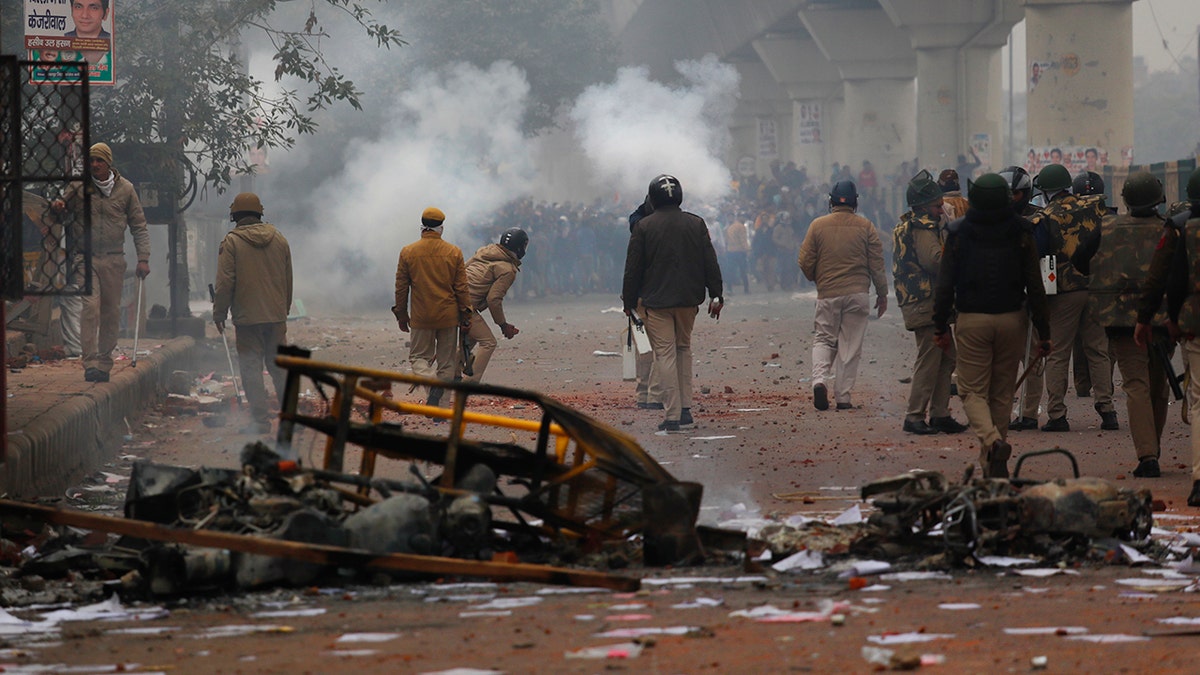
point(62, 31)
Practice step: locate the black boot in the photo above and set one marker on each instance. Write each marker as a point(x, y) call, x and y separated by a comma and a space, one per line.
point(435, 397)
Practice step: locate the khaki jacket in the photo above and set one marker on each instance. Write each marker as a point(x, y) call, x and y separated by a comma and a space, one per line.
point(842, 253)
point(431, 273)
point(111, 215)
point(254, 274)
point(490, 273)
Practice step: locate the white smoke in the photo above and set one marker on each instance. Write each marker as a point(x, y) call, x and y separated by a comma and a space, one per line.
point(455, 142)
point(634, 128)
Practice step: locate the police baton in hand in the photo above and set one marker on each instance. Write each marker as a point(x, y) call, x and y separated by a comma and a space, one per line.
point(1164, 357)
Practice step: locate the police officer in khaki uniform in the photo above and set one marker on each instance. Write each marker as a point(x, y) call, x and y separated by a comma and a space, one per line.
point(115, 208)
point(1067, 218)
point(917, 240)
point(989, 273)
point(490, 273)
point(254, 283)
point(1117, 256)
point(1175, 271)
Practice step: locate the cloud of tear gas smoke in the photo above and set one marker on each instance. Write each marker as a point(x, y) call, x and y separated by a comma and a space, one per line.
point(634, 129)
point(455, 143)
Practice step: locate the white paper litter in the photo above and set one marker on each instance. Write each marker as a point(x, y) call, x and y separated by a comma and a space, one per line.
point(916, 576)
point(642, 632)
point(1046, 630)
point(463, 671)
point(1004, 561)
point(1182, 621)
point(699, 603)
point(1135, 556)
point(509, 603)
point(908, 638)
point(674, 581)
point(958, 606)
point(1108, 639)
point(711, 438)
point(629, 606)
point(865, 568)
point(622, 650)
point(603, 353)
point(1043, 572)
point(283, 613)
point(1186, 566)
point(368, 637)
point(804, 560)
point(235, 630)
point(1160, 585)
point(485, 613)
point(851, 516)
point(568, 590)
point(351, 653)
point(875, 588)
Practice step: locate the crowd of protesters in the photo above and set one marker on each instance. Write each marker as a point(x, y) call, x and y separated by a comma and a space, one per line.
point(577, 248)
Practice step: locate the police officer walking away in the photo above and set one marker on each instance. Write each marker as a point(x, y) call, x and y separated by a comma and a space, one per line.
point(989, 271)
point(490, 273)
point(432, 275)
point(842, 253)
point(915, 261)
point(1067, 219)
point(669, 265)
point(1117, 256)
point(254, 281)
point(1175, 273)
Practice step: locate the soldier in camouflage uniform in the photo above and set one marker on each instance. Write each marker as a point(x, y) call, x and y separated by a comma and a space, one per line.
point(1174, 272)
point(1067, 218)
point(1117, 256)
point(917, 242)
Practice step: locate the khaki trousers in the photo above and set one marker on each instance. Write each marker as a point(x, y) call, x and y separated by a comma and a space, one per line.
point(480, 333)
point(840, 324)
point(670, 333)
point(930, 379)
point(649, 389)
point(1145, 387)
point(431, 352)
point(100, 318)
point(256, 348)
point(990, 347)
point(1069, 315)
point(1035, 381)
point(1191, 356)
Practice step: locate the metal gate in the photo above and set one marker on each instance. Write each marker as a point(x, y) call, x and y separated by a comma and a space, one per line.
point(45, 212)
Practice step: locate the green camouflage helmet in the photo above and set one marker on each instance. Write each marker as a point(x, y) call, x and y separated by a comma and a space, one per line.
point(1142, 190)
point(1193, 186)
point(922, 190)
point(991, 192)
point(1053, 178)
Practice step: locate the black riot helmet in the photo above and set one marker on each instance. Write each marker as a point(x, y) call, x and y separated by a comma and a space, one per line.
point(1087, 183)
point(514, 239)
point(843, 194)
point(665, 190)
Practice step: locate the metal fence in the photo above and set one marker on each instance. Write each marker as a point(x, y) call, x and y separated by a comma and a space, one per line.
point(44, 208)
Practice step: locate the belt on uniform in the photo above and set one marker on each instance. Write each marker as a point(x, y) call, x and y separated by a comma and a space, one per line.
point(110, 253)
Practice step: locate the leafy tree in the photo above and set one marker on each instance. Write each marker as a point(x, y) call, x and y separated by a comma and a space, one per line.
point(182, 81)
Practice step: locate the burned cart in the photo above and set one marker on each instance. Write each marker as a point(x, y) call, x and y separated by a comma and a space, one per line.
point(921, 510)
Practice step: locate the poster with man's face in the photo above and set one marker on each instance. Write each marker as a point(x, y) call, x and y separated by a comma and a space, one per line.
point(70, 31)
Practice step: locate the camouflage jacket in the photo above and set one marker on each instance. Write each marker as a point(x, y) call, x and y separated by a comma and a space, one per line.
point(1117, 257)
point(1168, 271)
point(1066, 221)
point(917, 242)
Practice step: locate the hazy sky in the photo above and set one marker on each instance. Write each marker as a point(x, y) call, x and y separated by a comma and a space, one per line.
point(1177, 19)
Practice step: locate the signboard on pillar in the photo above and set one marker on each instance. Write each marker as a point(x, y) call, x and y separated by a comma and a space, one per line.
point(1075, 157)
point(981, 144)
point(808, 123)
point(70, 31)
point(768, 139)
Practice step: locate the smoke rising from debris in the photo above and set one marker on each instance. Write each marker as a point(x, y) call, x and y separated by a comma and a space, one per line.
point(634, 128)
point(455, 142)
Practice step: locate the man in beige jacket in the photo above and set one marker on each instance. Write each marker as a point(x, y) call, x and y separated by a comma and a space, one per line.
point(254, 281)
point(432, 301)
point(490, 273)
point(842, 253)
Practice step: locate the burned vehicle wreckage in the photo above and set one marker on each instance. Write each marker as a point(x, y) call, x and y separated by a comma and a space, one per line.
point(580, 487)
point(576, 492)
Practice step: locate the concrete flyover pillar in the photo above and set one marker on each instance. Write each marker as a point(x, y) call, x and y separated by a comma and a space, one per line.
point(1079, 76)
point(814, 88)
point(878, 70)
point(959, 89)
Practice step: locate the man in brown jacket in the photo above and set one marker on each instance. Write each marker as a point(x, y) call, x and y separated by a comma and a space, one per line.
point(432, 271)
point(254, 281)
point(842, 253)
point(490, 273)
point(115, 207)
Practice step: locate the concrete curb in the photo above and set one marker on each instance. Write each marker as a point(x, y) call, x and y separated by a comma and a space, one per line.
point(57, 448)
